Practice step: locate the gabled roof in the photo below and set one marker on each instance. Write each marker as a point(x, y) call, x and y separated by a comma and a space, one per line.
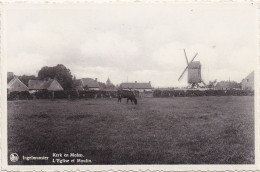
point(47, 84)
point(89, 82)
point(12, 81)
point(136, 85)
point(44, 85)
point(223, 85)
point(250, 75)
point(36, 84)
point(16, 85)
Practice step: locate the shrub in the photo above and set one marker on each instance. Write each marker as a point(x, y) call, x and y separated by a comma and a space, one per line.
point(194, 93)
point(157, 93)
point(23, 95)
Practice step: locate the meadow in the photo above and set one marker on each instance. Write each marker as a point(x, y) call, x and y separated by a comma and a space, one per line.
point(178, 130)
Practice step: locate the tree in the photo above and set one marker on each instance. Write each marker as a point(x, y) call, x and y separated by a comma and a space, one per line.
point(85, 87)
point(46, 72)
point(60, 73)
point(10, 76)
point(234, 84)
point(212, 84)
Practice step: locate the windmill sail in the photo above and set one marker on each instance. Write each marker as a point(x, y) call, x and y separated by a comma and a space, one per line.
point(186, 57)
point(187, 66)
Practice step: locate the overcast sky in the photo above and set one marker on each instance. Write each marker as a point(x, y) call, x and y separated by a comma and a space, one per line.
point(143, 42)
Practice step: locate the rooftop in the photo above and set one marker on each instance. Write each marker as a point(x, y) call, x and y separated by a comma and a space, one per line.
point(43, 85)
point(89, 82)
point(136, 85)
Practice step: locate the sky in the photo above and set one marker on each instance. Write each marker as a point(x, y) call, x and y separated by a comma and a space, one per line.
point(133, 42)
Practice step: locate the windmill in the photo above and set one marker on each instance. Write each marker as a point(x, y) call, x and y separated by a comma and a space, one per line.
point(194, 72)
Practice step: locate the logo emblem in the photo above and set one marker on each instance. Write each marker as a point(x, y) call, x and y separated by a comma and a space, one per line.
point(14, 157)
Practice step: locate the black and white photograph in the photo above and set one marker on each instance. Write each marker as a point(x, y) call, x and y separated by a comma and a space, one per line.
point(149, 84)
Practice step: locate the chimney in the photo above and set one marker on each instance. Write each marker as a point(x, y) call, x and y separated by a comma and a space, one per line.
point(135, 81)
point(95, 79)
point(149, 82)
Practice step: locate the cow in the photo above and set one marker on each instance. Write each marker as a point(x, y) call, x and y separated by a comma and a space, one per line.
point(126, 94)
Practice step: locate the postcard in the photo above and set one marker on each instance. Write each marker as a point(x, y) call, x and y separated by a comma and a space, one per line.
point(131, 86)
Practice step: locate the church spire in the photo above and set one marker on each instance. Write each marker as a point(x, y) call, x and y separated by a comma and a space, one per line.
point(108, 81)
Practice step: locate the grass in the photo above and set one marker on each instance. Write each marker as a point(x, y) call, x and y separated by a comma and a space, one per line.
point(181, 130)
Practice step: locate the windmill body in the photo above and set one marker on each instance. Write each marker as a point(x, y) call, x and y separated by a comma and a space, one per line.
point(194, 72)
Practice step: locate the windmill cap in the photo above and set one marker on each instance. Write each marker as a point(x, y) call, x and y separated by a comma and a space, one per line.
point(195, 65)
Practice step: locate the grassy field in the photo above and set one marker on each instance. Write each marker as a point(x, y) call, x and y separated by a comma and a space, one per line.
point(181, 130)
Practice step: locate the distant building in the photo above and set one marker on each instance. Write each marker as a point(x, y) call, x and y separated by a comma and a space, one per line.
point(79, 88)
point(248, 82)
point(89, 84)
point(141, 87)
point(227, 85)
point(108, 82)
point(223, 85)
point(109, 85)
point(16, 85)
point(50, 85)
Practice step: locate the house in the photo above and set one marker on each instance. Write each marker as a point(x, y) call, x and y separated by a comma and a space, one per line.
point(248, 82)
point(223, 85)
point(89, 84)
point(16, 85)
point(141, 87)
point(227, 85)
point(50, 85)
point(79, 88)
